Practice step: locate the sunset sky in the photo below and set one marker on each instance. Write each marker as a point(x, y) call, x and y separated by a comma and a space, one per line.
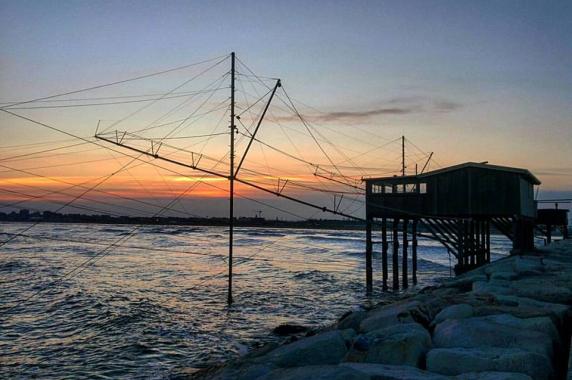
point(467, 80)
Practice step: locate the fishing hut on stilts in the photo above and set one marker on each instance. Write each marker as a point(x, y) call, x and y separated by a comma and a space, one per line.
point(456, 206)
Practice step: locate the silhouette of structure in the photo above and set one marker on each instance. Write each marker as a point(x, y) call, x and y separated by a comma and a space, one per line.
point(548, 219)
point(457, 206)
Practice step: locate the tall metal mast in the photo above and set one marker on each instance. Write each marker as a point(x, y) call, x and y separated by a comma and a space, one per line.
point(231, 179)
point(403, 156)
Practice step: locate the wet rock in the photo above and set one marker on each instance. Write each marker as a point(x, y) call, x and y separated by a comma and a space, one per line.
point(528, 265)
point(544, 288)
point(487, 375)
point(402, 344)
point(455, 361)
point(361, 344)
point(481, 332)
point(540, 324)
point(459, 311)
point(352, 320)
point(560, 312)
point(242, 372)
point(389, 315)
point(289, 329)
point(392, 372)
point(315, 372)
point(465, 282)
point(480, 287)
point(325, 348)
point(507, 275)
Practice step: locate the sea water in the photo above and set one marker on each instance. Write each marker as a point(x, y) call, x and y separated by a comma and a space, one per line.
point(154, 305)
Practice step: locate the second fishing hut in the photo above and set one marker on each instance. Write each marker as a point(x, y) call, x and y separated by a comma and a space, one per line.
point(456, 206)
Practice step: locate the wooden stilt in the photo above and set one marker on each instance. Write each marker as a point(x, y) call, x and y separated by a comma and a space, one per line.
point(414, 251)
point(488, 240)
point(478, 250)
point(368, 257)
point(404, 255)
point(395, 263)
point(384, 247)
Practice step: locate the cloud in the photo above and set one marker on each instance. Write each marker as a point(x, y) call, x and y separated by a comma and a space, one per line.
point(359, 115)
point(398, 106)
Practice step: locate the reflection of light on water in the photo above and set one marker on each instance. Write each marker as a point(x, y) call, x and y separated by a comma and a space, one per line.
point(164, 307)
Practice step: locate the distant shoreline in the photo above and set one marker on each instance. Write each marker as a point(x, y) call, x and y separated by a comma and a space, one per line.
point(50, 217)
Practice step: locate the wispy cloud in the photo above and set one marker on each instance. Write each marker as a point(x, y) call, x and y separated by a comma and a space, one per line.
point(392, 107)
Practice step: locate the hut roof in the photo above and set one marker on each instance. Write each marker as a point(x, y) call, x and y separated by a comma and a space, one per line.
point(523, 172)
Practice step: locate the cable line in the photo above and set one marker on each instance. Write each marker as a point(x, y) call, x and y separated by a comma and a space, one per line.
point(114, 83)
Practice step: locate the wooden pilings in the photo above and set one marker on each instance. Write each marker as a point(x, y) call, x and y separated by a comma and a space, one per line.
point(384, 247)
point(404, 254)
point(368, 257)
point(414, 251)
point(473, 244)
point(395, 226)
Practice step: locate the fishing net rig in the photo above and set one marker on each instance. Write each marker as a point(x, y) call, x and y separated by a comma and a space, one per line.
point(199, 118)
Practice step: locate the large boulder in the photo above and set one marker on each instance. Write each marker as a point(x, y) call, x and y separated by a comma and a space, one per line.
point(352, 320)
point(543, 288)
point(455, 361)
point(315, 372)
point(242, 371)
point(528, 265)
point(482, 332)
point(325, 348)
point(558, 311)
point(402, 344)
point(388, 315)
point(490, 375)
point(483, 287)
point(392, 372)
point(540, 324)
point(459, 311)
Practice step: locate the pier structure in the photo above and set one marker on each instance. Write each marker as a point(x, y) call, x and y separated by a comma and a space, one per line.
point(456, 206)
point(549, 219)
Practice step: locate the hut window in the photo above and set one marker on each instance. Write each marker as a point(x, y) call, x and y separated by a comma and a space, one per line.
point(376, 189)
point(423, 188)
point(388, 189)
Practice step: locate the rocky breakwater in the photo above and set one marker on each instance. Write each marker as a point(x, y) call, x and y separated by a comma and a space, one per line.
point(507, 320)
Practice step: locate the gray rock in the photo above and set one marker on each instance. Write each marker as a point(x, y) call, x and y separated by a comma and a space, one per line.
point(493, 376)
point(459, 311)
point(482, 287)
point(508, 275)
point(325, 348)
point(392, 372)
point(527, 265)
point(543, 288)
point(455, 361)
point(559, 311)
point(402, 344)
point(315, 372)
point(352, 320)
point(465, 281)
point(389, 315)
point(541, 324)
point(481, 332)
point(242, 372)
